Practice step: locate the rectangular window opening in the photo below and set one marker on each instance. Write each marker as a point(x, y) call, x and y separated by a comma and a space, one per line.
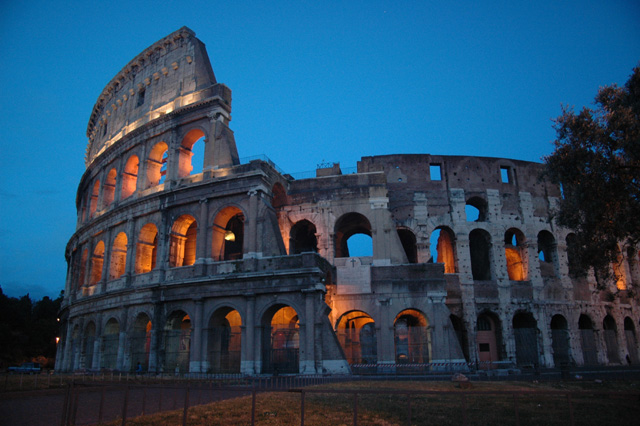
point(435, 171)
point(140, 98)
point(505, 174)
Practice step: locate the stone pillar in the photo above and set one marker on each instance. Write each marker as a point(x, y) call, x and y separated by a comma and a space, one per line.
point(131, 255)
point(195, 354)
point(173, 159)
point(120, 357)
point(153, 350)
point(307, 362)
point(251, 237)
point(248, 345)
point(106, 262)
point(385, 334)
point(164, 237)
point(202, 241)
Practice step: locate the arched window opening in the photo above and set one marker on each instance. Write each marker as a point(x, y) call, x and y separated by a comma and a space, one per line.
point(281, 341)
point(610, 332)
point(147, 249)
point(632, 342)
point(442, 249)
point(157, 164)
point(177, 342)
point(488, 338)
point(461, 334)
point(587, 340)
point(476, 210)
point(141, 342)
point(560, 340)
point(130, 177)
point(619, 272)
point(93, 203)
point(97, 261)
point(572, 256)
point(182, 251)
point(480, 251)
point(303, 238)
point(353, 236)
point(279, 196)
point(525, 331)
point(412, 338)
point(83, 268)
point(228, 234)
point(408, 240)
point(89, 346)
point(547, 254)
point(189, 162)
point(110, 344)
point(109, 190)
point(516, 254)
point(225, 334)
point(356, 333)
point(118, 257)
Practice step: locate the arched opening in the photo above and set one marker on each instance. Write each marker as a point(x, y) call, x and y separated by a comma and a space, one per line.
point(130, 177)
point(93, 203)
point(560, 340)
point(281, 340)
point(353, 236)
point(489, 339)
point(525, 332)
point(110, 344)
point(547, 254)
point(89, 346)
point(225, 334)
point(141, 342)
point(610, 332)
point(109, 190)
point(191, 158)
point(118, 257)
point(228, 234)
point(408, 240)
point(303, 238)
point(476, 209)
point(480, 251)
point(147, 249)
point(97, 261)
point(177, 342)
point(632, 342)
point(182, 250)
point(157, 164)
point(587, 340)
point(83, 268)
point(619, 273)
point(442, 248)
point(412, 339)
point(356, 332)
point(461, 334)
point(279, 196)
point(516, 254)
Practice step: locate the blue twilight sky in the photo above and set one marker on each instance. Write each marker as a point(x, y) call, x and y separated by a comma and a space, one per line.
point(312, 81)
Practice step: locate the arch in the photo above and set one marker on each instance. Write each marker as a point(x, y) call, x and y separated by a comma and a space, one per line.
point(89, 345)
point(412, 337)
point(356, 332)
point(118, 257)
point(140, 342)
point(93, 203)
point(280, 340)
point(408, 241)
point(157, 164)
point(488, 339)
point(146, 249)
point(279, 196)
point(587, 340)
point(224, 341)
point(186, 153)
point(97, 261)
point(130, 177)
point(632, 341)
point(547, 254)
point(110, 344)
point(480, 251)
point(182, 249)
point(610, 333)
point(227, 242)
point(443, 249)
point(302, 238)
point(348, 225)
point(560, 340)
point(476, 209)
point(83, 268)
point(109, 189)
point(525, 331)
point(177, 342)
point(516, 254)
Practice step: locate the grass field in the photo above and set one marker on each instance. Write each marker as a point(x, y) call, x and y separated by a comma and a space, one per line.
point(486, 403)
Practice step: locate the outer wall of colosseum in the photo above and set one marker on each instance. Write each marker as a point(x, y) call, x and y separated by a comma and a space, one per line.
point(200, 263)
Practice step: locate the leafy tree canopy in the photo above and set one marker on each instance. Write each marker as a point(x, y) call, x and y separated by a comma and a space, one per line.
point(597, 162)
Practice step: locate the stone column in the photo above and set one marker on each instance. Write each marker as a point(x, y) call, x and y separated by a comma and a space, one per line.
point(247, 343)
point(307, 364)
point(106, 261)
point(202, 242)
point(141, 181)
point(164, 236)
point(131, 255)
point(251, 237)
point(173, 159)
point(195, 354)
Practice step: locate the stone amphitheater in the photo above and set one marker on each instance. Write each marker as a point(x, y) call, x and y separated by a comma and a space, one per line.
point(186, 263)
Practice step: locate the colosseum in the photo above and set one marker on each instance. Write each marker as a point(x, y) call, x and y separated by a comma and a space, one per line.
point(410, 263)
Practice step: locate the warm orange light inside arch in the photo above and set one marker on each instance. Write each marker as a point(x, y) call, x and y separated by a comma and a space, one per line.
point(146, 249)
point(185, 166)
point(97, 260)
point(156, 164)
point(118, 256)
point(182, 251)
point(130, 177)
point(109, 190)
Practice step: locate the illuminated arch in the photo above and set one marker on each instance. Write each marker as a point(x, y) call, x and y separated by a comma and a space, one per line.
point(227, 242)
point(93, 203)
point(140, 341)
point(347, 226)
point(130, 177)
point(118, 256)
point(182, 251)
point(356, 332)
point(412, 337)
point(224, 341)
point(186, 152)
point(97, 261)
point(280, 340)
point(177, 342)
point(442, 244)
point(516, 254)
point(157, 164)
point(146, 249)
point(109, 189)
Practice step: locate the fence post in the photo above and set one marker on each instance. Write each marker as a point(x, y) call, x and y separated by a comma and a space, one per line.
point(100, 410)
point(302, 408)
point(571, 420)
point(355, 409)
point(409, 408)
point(253, 406)
point(186, 406)
point(74, 410)
point(464, 409)
point(65, 406)
point(144, 399)
point(515, 403)
point(124, 406)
